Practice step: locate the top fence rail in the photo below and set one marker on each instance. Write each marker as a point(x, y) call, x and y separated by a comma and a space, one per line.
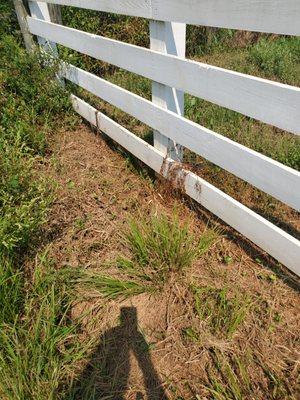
point(270, 16)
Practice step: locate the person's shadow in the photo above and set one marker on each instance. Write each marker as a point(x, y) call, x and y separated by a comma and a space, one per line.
point(106, 375)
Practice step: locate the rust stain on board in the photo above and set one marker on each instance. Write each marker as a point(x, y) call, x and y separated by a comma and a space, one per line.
point(175, 173)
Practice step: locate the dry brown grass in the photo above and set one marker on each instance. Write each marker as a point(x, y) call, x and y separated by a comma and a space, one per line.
point(98, 189)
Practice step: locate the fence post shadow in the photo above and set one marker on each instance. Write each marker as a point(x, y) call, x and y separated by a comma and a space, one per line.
point(107, 372)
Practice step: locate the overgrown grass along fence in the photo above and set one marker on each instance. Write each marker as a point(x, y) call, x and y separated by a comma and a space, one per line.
point(267, 101)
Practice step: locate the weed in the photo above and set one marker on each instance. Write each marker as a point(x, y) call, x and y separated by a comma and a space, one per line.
point(8, 21)
point(229, 379)
point(222, 313)
point(79, 224)
point(228, 260)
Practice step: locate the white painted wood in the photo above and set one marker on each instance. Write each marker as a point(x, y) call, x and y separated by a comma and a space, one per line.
point(266, 174)
point(41, 10)
point(279, 244)
point(22, 19)
point(267, 101)
point(168, 38)
point(273, 16)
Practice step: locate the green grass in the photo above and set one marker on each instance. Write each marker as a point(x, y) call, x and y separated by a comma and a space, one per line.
point(39, 349)
point(262, 55)
point(230, 383)
point(260, 137)
point(222, 313)
point(11, 292)
point(263, 138)
point(27, 115)
point(229, 377)
point(41, 344)
point(108, 287)
point(36, 337)
point(160, 245)
point(278, 58)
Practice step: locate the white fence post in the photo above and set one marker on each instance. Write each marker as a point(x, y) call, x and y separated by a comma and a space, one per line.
point(40, 10)
point(169, 38)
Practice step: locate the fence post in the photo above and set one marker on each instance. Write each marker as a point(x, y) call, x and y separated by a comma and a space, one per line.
point(55, 13)
point(170, 38)
point(22, 14)
point(41, 10)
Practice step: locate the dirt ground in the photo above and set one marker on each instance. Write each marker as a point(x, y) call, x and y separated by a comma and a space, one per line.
point(143, 351)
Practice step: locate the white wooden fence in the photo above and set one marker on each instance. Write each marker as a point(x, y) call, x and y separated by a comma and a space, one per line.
point(172, 74)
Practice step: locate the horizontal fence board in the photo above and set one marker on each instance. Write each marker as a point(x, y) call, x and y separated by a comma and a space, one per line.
point(266, 174)
point(273, 16)
point(270, 238)
point(267, 101)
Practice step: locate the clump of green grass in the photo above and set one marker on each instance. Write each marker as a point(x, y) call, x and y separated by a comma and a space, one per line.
point(222, 313)
point(162, 245)
point(23, 210)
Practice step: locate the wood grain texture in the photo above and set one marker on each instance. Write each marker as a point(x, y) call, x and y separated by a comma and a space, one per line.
point(22, 14)
point(270, 238)
point(273, 16)
point(264, 100)
point(266, 174)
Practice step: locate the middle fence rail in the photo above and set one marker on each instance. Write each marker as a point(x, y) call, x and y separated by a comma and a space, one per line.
point(264, 100)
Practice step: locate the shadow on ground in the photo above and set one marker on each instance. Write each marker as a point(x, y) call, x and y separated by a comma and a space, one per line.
point(107, 373)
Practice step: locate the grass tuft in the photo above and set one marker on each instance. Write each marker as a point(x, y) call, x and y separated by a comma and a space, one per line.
point(229, 379)
point(222, 313)
point(108, 287)
point(162, 245)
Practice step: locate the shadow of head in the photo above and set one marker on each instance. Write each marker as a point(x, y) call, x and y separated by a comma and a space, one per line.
point(128, 317)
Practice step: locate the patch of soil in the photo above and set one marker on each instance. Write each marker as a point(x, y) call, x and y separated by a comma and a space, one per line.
point(143, 350)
